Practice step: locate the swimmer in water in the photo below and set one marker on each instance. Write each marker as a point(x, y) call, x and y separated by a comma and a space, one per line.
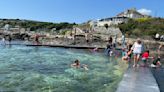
point(95, 49)
point(76, 64)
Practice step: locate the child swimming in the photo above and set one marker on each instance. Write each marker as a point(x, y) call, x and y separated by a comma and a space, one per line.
point(76, 64)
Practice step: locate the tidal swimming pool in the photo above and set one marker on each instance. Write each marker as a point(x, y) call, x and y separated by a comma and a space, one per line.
point(41, 69)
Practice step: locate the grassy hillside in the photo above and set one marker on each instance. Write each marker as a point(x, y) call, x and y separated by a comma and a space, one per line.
point(143, 27)
point(35, 25)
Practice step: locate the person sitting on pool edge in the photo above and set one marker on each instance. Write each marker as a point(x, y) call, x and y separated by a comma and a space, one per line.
point(156, 62)
point(127, 55)
point(76, 64)
point(145, 57)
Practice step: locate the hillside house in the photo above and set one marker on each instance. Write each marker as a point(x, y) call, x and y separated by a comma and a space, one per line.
point(120, 18)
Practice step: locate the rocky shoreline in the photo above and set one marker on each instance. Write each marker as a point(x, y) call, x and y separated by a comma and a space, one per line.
point(149, 44)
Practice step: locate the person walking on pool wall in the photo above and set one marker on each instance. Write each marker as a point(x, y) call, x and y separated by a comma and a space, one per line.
point(137, 49)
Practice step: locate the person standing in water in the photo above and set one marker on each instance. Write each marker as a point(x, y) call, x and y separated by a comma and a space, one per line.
point(9, 39)
point(4, 41)
point(109, 46)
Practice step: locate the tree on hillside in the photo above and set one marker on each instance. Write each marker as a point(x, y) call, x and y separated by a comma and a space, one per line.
point(125, 27)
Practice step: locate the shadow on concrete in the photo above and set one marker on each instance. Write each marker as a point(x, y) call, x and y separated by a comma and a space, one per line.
point(159, 76)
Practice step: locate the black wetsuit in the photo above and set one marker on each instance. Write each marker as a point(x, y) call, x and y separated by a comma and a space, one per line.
point(9, 39)
point(155, 61)
point(109, 47)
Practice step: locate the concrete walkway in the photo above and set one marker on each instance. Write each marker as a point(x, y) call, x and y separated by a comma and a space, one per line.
point(138, 80)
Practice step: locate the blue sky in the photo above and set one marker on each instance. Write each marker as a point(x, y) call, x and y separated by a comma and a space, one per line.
point(74, 10)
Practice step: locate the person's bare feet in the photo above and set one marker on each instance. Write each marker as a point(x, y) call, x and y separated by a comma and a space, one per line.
point(138, 65)
point(134, 65)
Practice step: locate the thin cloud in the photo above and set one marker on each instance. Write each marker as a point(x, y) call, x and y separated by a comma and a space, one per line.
point(145, 11)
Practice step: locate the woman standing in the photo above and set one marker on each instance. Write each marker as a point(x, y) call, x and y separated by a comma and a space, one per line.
point(137, 49)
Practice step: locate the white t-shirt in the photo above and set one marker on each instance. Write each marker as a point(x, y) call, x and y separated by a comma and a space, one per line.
point(3, 39)
point(137, 48)
point(157, 36)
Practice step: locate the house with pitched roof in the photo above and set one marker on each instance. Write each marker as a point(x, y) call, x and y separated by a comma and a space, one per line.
point(132, 13)
point(119, 18)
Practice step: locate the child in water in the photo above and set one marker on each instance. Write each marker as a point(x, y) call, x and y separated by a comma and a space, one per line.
point(95, 49)
point(126, 55)
point(76, 64)
point(4, 40)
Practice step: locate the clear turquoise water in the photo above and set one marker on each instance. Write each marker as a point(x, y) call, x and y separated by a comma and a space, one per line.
point(40, 69)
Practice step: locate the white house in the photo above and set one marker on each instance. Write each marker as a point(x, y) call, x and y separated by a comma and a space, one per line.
point(120, 18)
point(132, 13)
point(112, 21)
